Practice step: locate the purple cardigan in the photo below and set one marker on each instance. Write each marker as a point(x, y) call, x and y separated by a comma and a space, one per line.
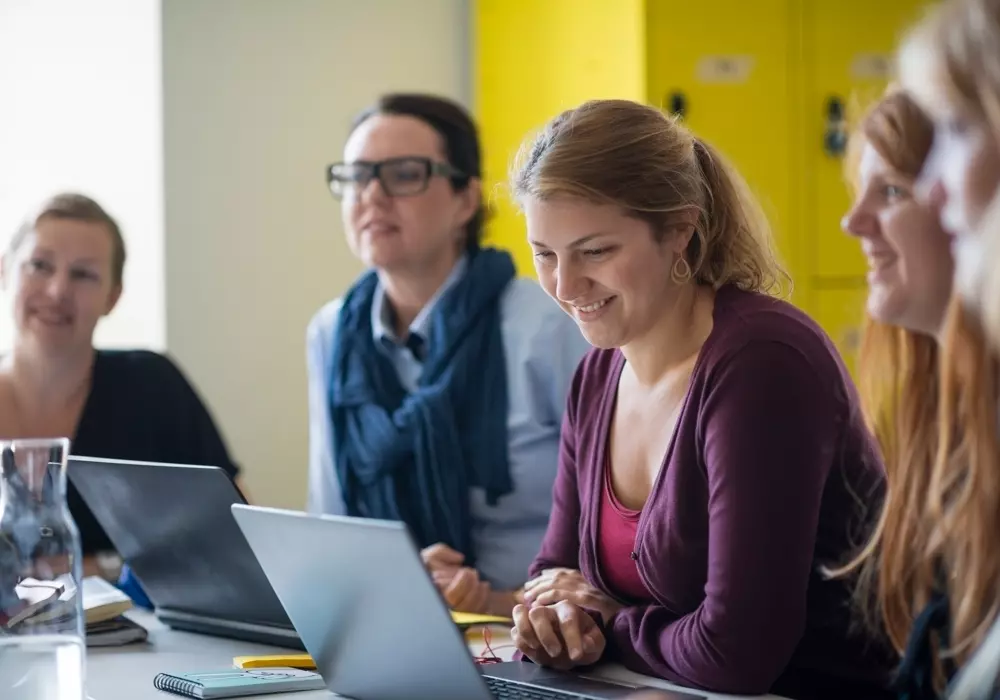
point(770, 475)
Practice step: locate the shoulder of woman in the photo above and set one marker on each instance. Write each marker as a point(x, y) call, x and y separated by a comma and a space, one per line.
point(324, 320)
point(522, 293)
point(525, 306)
point(140, 374)
point(748, 320)
point(134, 364)
point(546, 333)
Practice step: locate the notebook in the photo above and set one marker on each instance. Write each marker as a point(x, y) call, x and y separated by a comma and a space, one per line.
point(116, 632)
point(231, 683)
point(103, 601)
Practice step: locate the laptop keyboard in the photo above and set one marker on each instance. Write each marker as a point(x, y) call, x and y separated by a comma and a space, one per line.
point(503, 689)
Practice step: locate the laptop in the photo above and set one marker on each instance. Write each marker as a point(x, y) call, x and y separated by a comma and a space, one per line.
point(172, 524)
point(373, 621)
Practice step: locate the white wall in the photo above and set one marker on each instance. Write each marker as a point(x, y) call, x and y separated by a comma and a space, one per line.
point(258, 95)
point(80, 109)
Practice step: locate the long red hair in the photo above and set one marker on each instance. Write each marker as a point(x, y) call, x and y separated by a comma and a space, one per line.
point(898, 376)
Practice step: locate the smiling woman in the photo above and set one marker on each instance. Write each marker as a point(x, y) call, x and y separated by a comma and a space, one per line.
point(713, 452)
point(64, 272)
point(910, 280)
point(949, 63)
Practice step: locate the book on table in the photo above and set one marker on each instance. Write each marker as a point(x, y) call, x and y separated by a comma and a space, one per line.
point(104, 608)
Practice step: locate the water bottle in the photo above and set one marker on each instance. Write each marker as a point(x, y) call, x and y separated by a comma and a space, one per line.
point(42, 625)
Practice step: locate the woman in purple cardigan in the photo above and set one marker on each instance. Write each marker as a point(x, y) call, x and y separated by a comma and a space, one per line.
point(714, 458)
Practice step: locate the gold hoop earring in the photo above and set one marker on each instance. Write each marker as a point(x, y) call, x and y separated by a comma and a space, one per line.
point(681, 271)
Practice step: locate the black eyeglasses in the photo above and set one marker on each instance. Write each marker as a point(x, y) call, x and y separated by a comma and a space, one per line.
point(399, 177)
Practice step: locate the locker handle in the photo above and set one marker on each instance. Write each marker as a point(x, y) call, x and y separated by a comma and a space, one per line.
point(835, 134)
point(676, 103)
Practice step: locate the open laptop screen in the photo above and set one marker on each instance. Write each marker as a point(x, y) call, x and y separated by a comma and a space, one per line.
point(173, 525)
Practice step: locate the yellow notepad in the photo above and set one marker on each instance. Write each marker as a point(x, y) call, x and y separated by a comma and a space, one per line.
point(304, 661)
point(301, 661)
point(464, 620)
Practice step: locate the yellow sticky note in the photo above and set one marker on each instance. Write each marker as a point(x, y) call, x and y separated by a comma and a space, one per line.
point(303, 661)
point(463, 619)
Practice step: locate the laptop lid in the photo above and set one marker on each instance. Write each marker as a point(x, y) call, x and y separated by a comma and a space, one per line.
point(172, 524)
point(363, 605)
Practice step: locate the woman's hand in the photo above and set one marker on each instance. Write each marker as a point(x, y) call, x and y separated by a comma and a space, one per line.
point(441, 559)
point(461, 586)
point(556, 585)
point(465, 592)
point(444, 564)
point(560, 636)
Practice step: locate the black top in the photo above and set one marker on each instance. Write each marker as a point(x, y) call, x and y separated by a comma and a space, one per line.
point(141, 407)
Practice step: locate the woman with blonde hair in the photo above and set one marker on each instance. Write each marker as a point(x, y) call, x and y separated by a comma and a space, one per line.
point(980, 679)
point(713, 454)
point(64, 269)
point(910, 281)
point(951, 63)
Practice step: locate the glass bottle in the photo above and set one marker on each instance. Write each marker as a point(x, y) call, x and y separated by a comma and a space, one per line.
point(42, 626)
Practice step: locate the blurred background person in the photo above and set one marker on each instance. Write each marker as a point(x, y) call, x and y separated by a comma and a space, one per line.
point(949, 62)
point(437, 383)
point(910, 282)
point(63, 270)
point(979, 284)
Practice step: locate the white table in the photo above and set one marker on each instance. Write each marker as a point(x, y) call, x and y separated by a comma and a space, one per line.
point(126, 673)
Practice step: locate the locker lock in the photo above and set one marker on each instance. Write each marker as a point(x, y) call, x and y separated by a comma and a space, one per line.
point(676, 102)
point(835, 134)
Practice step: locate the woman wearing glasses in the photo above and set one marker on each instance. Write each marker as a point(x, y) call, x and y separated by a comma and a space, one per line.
point(437, 383)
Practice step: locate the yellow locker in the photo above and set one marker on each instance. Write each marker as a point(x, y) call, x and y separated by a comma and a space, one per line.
point(846, 65)
point(534, 59)
point(847, 61)
point(843, 310)
point(724, 64)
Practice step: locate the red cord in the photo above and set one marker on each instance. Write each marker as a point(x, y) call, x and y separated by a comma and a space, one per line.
point(489, 656)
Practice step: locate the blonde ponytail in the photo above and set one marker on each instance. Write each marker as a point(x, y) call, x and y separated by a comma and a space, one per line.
point(734, 243)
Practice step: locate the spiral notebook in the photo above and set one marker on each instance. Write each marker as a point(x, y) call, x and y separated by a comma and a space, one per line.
point(231, 683)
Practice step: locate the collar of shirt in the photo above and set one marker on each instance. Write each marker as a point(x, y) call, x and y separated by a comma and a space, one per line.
point(383, 327)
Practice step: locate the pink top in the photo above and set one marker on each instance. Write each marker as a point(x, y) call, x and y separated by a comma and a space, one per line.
point(616, 555)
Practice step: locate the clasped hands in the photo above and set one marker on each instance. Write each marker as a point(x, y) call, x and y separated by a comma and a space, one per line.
point(551, 626)
point(568, 585)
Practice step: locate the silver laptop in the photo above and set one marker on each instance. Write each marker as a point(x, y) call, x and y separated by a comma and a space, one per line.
point(373, 621)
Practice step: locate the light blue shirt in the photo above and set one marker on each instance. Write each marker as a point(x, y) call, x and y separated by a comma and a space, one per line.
point(542, 348)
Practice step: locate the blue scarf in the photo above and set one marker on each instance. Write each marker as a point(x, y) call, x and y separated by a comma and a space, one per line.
point(413, 457)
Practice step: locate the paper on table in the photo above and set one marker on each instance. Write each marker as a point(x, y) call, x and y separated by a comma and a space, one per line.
point(463, 619)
